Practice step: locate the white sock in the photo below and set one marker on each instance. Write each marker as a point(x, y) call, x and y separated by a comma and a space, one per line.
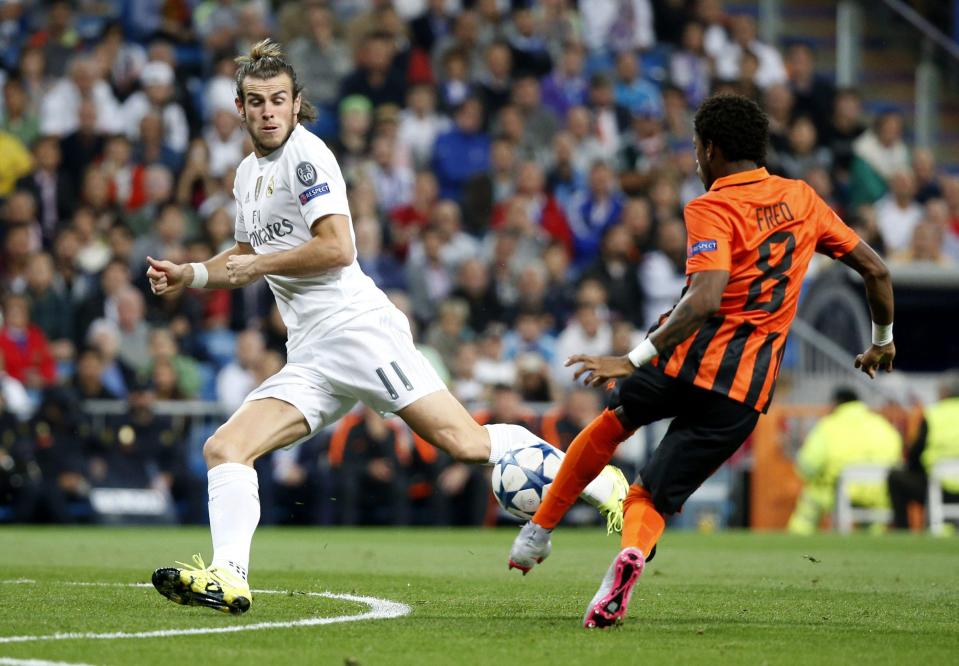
point(234, 513)
point(506, 437)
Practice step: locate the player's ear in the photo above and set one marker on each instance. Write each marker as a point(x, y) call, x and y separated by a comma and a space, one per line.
point(297, 102)
point(239, 108)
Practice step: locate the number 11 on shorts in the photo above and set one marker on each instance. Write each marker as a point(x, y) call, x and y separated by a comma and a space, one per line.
point(388, 385)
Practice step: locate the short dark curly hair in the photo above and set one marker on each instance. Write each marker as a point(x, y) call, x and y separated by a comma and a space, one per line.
point(736, 125)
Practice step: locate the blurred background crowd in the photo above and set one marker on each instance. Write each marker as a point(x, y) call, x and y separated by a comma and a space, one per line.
point(517, 174)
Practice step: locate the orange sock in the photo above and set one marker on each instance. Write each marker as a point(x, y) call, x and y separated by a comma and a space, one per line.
point(586, 457)
point(642, 524)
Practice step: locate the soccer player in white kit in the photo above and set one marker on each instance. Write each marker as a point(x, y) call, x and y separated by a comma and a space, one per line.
point(346, 341)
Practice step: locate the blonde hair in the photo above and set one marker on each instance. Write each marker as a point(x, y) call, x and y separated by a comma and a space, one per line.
point(265, 61)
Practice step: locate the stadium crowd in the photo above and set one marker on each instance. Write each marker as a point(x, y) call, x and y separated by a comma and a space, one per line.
point(517, 173)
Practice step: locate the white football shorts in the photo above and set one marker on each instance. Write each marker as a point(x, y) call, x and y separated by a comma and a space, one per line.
point(370, 359)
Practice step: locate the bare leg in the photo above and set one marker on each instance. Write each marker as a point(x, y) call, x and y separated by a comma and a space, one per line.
point(257, 427)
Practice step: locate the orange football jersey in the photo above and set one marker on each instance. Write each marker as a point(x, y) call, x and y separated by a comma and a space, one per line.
point(764, 230)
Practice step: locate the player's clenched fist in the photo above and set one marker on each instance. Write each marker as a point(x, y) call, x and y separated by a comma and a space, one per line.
point(241, 269)
point(165, 276)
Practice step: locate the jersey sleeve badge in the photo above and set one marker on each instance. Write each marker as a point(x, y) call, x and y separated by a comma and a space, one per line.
point(306, 173)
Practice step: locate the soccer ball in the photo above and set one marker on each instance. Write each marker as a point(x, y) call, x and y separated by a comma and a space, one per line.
point(523, 476)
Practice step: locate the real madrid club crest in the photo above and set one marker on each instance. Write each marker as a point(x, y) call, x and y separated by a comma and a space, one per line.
point(259, 184)
point(269, 187)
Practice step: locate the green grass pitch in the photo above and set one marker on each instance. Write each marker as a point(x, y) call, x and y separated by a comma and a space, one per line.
point(734, 598)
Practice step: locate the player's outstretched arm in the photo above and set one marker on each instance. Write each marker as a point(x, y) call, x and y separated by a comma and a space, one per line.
point(864, 260)
point(167, 277)
point(702, 299)
point(331, 247)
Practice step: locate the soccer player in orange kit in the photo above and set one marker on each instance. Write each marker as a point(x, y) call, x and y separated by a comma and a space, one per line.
point(711, 362)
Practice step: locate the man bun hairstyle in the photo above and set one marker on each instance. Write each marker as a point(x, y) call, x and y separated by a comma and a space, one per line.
point(265, 61)
point(736, 125)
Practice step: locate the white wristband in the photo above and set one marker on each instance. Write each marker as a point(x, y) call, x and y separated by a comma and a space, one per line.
point(881, 334)
point(200, 276)
point(643, 354)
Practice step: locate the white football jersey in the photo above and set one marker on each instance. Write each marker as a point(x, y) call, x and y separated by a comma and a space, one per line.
point(279, 197)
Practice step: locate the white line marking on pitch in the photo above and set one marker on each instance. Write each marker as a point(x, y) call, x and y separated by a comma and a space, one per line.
point(6, 661)
point(379, 609)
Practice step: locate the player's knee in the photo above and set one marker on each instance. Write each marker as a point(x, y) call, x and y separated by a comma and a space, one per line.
point(219, 449)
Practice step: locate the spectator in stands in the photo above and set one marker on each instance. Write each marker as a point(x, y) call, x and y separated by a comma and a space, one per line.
point(375, 77)
point(461, 152)
point(224, 140)
point(126, 178)
point(566, 87)
point(632, 91)
point(937, 212)
point(407, 221)
point(14, 401)
point(352, 142)
point(321, 60)
point(803, 152)
point(25, 348)
point(464, 383)
point(382, 268)
point(51, 189)
point(532, 212)
point(926, 247)
point(164, 351)
point(83, 146)
point(421, 124)
point(533, 380)
point(566, 177)
point(19, 120)
point(87, 381)
point(368, 454)
point(562, 423)
point(130, 446)
point(845, 127)
point(593, 212)
point(134, 331)
point(616, 269)
point(927, 176)
point(494, 83)
point(427, 275)
point(587, 149)
point(936, 441)
point(449, 330)
point(662, 273)
point(58, 39)
point(814, 94)
point(167, 237)
point(158, 190)
point(771, 68)
point(59, 112)
point(642, 150)
point(530, 53)
point(475, 287)
point(689, 67)
point(236, 379)
point(55, 448)
point(530, 335)
point(432, 25)
point(878, 153)
point(540, 122)
point(850, 434)
point(50, 308)
point(16, 162)
point(897, 213)
point(610, 25)
point(587, 333)
point(392, 182)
